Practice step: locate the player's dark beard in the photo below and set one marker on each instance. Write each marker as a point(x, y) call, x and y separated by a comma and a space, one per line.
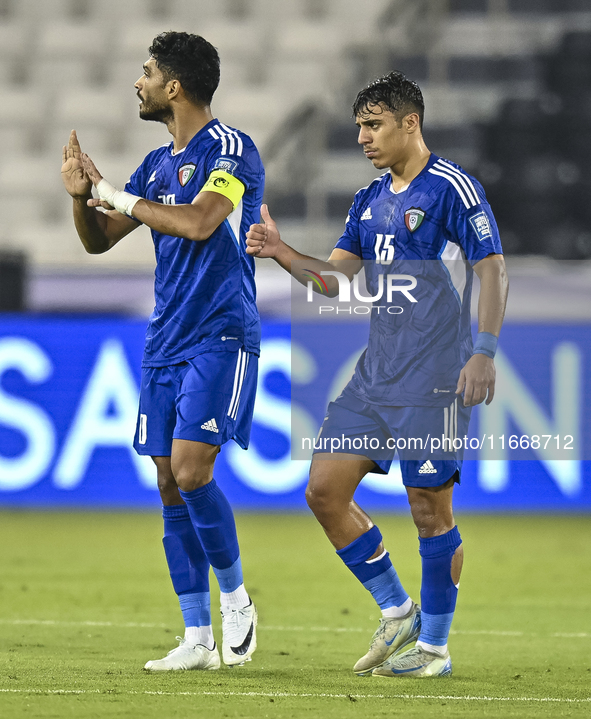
point(152, 111)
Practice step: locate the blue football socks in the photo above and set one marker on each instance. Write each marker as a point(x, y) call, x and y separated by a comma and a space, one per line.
point(378, 576)
point(214, 524)
point(188, 565)
point(438, 592)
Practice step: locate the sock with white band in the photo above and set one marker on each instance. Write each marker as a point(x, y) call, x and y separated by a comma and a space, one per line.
point(189, 571)
point(377, 575)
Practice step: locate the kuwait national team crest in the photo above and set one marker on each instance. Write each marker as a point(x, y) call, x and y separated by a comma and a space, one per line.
point(413, 218)
point(186, 173)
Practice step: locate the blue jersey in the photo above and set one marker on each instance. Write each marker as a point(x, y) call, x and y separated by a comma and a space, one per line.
point(204, 291)
point(433, 231)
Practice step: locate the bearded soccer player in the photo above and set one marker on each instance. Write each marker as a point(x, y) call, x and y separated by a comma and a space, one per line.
point(198, 194)
point(424, 215)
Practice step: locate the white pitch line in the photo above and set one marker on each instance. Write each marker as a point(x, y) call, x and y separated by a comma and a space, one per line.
point(303, 695)
point(276, 628)
point(59, 623)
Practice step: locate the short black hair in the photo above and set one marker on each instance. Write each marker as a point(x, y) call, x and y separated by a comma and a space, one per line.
point(395, 92)
point(191, 60)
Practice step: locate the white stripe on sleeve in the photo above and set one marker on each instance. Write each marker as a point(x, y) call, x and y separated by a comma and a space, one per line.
point(465, 181)
point(449, 178)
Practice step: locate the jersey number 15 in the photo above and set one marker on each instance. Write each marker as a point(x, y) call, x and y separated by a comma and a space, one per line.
point(384, 249)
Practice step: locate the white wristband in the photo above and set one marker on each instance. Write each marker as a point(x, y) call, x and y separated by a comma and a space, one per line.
point(124, 202)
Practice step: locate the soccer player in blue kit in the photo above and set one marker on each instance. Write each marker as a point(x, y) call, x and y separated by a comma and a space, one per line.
point(198, 194)
point(427, 218)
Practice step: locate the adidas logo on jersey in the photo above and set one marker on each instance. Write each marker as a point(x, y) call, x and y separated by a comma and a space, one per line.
point(427, 468)
point(210, 425)
point(367, 214)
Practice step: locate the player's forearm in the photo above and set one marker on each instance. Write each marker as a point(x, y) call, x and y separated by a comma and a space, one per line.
point(188, 221)
point(296, 263)
point(494, 287)
point(91, 226)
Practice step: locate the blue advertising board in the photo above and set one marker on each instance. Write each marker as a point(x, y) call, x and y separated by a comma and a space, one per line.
point(68, 405)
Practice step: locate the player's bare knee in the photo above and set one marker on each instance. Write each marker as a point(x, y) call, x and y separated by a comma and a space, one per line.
point(165, 480)
point(191, 478)
point(317, 501)
point(425, 522)
point(324, 498)
point(429, 516)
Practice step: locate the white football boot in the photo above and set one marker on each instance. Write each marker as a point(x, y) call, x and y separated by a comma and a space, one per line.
point(186, 656)
point(416, 662)
point(239, 634)
point(390, 637)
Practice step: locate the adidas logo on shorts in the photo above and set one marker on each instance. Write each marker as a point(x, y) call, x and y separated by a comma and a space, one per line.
point(210, 425)
point(427, 468)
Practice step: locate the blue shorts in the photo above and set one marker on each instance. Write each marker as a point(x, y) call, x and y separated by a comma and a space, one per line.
point(378, 432)
point(209, 398)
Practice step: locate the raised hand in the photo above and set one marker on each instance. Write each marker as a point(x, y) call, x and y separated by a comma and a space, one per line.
point(263, 240)
point(90, 169)
point(74, 177)
point(95, 177)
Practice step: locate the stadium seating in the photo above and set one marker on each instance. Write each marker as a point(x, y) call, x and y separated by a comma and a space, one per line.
point(289, 74)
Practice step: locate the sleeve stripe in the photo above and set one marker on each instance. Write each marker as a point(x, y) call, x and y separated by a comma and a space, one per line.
point(231, 137)
point(223, 139)
point(464, 179)
point(455, 184)
point(468, 181)
point(238, 138)
point(221, 136)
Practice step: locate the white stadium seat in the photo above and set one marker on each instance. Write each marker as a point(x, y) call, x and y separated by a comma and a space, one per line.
point(29, 174)
point(21, 105)
point(90, 104)
point(72, 39)
point(13, 38)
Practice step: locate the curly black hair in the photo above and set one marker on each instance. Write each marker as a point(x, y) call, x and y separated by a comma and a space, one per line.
point(191, 60)
point(393, 91)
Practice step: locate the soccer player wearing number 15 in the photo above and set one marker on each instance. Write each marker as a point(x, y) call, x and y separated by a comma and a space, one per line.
point(198, 194)
point(427, 220)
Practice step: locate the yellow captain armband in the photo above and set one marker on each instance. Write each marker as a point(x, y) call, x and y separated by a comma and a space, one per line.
point(225, 184)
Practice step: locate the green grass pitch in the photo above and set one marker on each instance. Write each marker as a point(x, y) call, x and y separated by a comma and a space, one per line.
point(86, 600)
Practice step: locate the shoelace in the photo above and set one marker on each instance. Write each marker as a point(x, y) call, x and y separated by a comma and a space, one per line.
point(181, 641)
point(408, 659)
point(380, 630)
point(232, 622)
